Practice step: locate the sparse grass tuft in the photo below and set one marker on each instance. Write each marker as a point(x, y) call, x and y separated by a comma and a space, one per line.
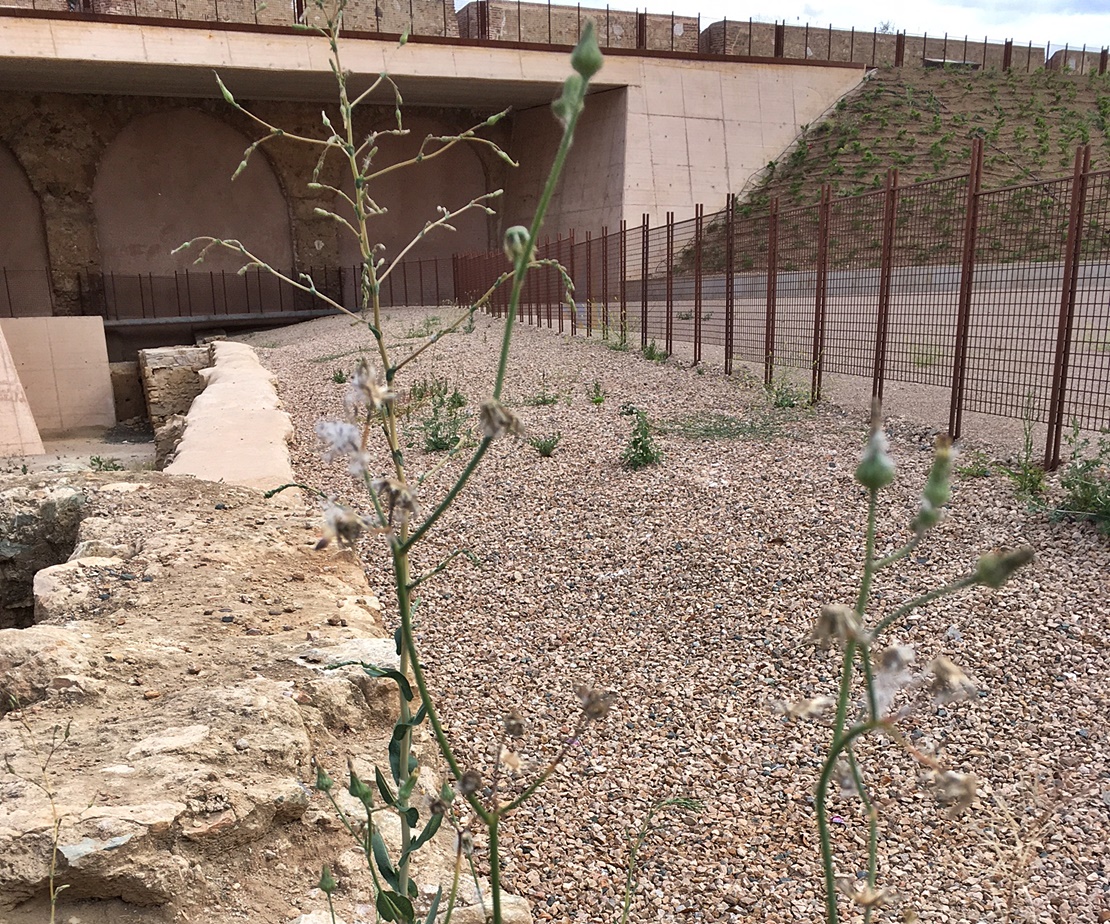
point(100, 464)
point(976, 465)
point(652, 352)
point(1086, 482)
point(595, 394)
point(545, 445)
point(339, 377)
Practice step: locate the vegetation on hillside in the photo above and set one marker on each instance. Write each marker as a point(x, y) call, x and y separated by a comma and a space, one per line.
point(922, 122)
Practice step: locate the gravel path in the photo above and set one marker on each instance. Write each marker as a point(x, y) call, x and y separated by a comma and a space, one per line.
point(687, 590)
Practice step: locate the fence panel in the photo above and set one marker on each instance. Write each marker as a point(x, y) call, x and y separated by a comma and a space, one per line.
point(796, 287)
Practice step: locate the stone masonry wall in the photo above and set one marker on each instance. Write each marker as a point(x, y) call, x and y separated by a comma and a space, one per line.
point(59, 140)
point(560, 25)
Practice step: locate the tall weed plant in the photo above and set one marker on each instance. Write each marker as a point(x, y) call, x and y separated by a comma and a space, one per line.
point(398, 513)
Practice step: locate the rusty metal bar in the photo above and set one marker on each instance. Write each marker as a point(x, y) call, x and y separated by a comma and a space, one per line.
point(900, 49)
point(644, 227)
point(772, 292)
point(589, 285)
point(699, 214)
point(886, 273)
point(730, 304)
point(669, 329)
point(574, 290)
point(1007, 55)
point(967, 281)
point(548, 272)
point(1073, 248)
point(559, 256)
point(820, 298)
point(624, 280)
point(605, 281)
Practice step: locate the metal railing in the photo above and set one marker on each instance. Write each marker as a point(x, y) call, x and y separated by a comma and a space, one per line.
point(999, 297)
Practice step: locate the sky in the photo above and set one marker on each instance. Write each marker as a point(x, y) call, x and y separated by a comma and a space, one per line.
point(1074, 22)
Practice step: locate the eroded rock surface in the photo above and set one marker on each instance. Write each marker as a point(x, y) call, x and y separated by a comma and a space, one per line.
point(170, 697)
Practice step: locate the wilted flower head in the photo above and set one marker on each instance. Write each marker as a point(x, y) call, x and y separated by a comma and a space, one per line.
point(514, 724)
point(470, 782)
point(343, 440)
point(938, 487)
point(995, 569)
point(341, 524)
point(497, 420)
point(956, 790)
point(891, 674)
point(595, 703)
point(395, 496)
point(804, 709)
point(949, 684)
point(865, 895)
point(367, 390)
point(837, 623)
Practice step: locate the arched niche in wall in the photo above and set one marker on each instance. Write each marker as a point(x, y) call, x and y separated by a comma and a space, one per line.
point(412, 195)
point(166, 178)
point(25, 266)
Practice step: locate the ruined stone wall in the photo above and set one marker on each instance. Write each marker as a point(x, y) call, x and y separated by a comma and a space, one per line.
point(420, 17)
point(561, 25)
point(872, 48)
point(59, 140)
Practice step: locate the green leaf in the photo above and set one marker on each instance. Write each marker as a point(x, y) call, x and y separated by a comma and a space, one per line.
point(401, 680)
point(404, 39)
point(426, 835)
point(383, 788)
point(394, 907)
point(404, 792)
point(382, 861)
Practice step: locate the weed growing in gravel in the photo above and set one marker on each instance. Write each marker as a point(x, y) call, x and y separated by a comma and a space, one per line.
point(641, 450)
point(864, 644)
point(101, 464)
point(339, 377)
point(595, 394)
point(619, 346)
point(443, 427)
point(545, 445)
point(764, 426)
point(542, 398)
point(1026, 473)
point(425, 328)
point(976, 465)
point(782, 393)
point(636, 842)
point(652, 352)
point(1086, 482)
point(398, 516)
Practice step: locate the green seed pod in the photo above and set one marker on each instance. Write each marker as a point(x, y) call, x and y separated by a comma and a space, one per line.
point(327, 883)
point(571, 100)
point(938, 487)
point(876, 468)
point(324, 782)
point(516, 243)
point(586, 58)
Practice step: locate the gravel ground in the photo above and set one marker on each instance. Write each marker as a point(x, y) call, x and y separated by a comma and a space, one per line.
point(687, 589)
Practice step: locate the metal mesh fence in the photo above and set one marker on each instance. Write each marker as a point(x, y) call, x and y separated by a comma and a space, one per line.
point(1001, 298)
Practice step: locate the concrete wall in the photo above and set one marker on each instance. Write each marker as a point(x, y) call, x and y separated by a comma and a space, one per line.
point(63, 366)
point(24, 263)
point(166, 178)
point(561, 25)
point(19, 436)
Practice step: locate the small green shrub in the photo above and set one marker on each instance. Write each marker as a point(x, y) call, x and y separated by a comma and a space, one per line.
point(782, 393)
point(641, 450)
point(619, 346)
point(1025, 473)
point(443, 427)
point(99, 464)
point(976, 465)
point(339, 377)
point(545, 445)
point(542, 398)
point(595, 394)
point(1086, 482)
point(652, 352)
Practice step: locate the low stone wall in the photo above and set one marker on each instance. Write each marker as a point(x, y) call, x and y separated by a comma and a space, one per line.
point(236, 430)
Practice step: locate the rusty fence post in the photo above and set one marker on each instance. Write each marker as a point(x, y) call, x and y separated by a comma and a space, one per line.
point(624, 280)
point(559, 258)
point(589, 286)
point(772, 292)
point(605, 282)
point(1102, 61)
point(548, 273)
point(668, 338)
point(780, 39)
point(967, 286)
point(730, 302)
point(645, 242)
point(900, 49)
point(1073, 249)
point(820, 297)
point(1007, 55)
point(886, 274)
point(699, 212)
point(572, 296)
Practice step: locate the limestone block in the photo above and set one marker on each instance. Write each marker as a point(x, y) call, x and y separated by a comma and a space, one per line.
point(171, 379)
